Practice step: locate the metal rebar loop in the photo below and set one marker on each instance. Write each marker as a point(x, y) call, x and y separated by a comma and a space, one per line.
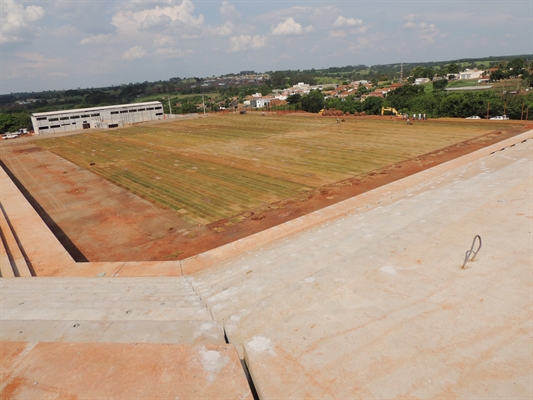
point(471, 254)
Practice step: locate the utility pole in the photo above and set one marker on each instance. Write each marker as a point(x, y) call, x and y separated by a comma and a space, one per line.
point(522, 113)
point(203, 102)
point(169, 106)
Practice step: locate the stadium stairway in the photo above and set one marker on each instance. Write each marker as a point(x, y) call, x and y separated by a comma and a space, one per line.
point(114, 338)
point(159, 310)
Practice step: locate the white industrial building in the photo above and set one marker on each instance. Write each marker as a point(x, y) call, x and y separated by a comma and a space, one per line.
point(96, 117)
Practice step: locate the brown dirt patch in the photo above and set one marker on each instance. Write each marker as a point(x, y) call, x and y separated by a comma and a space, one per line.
point(98, 221)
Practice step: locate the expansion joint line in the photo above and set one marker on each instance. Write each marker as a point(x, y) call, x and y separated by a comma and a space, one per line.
point(195, 292)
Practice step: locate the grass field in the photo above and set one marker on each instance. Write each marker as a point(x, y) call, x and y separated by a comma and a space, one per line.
point(211, 168)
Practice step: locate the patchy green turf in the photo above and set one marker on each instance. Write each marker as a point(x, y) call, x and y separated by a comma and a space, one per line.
point(217, 167)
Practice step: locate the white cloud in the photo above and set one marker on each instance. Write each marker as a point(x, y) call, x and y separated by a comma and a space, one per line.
point(155, 21)
point(426, 32)
point(336, 34)
point(96, 39)
point(35, 60)
point(134, 53)
point(247, 42)
point(171, 52)
point(17, 20)
point(290, 27)
point(346, 22)
point(223, 31)
point(228, 11)
point(129, 22)
point(162, 40)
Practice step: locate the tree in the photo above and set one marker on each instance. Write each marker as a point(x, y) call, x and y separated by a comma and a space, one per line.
point(313, 102)
point(453, 69)
point(294, 98)
point(372, 105)
point(440, 84)
point(516, 64)
point(8, 123)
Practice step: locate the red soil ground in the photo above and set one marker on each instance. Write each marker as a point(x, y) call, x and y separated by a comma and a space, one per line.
point(97, 221)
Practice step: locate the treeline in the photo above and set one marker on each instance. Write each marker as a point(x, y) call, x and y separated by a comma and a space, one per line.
point(412, 99)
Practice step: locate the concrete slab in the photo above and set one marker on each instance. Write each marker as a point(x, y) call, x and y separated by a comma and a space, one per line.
point(191, 332)
point(107, 299)
point(121, 371)
point(122, 269)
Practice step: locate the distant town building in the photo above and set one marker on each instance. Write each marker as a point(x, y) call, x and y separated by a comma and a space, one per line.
point(96, 117)
point(471, 74)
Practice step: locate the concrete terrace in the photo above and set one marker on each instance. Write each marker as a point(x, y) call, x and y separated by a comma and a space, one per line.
point(363, 299)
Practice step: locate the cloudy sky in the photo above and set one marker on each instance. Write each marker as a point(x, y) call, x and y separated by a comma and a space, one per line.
point(57, 44)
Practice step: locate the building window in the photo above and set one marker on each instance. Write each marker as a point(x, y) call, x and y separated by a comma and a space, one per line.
point(158, 108)
point(41, 118)
point(42, 128)
point(133, 110)
point(53, 119)
point(158, 113)
point(151, 108)
point(114, 112)
point(85, 116)
point(96, 115)
point(75, 117)
point(124, 111)
point(54, 126)
point(141, 109)
point(63, 118)
point(112, 125)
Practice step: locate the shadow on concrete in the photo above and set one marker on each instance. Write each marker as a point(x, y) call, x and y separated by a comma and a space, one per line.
point(65, 241)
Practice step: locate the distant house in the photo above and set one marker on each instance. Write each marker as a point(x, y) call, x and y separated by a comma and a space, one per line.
point(421, 81)
point(260, 102)
point(471, 74)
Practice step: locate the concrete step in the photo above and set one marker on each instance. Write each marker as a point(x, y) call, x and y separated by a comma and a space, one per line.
point(122, 284)
point(108, 299)
point(107, 314)
point(6, 270)
point(17, 261)
point(122, 371)
point(21, 302)
point(193, 332)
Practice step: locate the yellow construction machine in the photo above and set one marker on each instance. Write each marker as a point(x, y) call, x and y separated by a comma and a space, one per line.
point(390, 109)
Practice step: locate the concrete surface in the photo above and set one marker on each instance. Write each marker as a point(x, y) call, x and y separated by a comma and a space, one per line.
point(120, 371)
